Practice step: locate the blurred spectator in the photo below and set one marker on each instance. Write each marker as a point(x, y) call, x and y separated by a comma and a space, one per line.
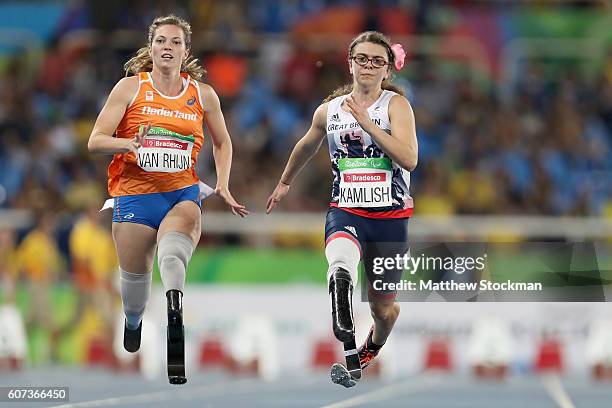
point(54, 71)
point(94, 266)
point(40, 263)
point(8, 264)
point(226, 73)
point(473, 191)
point(433, 200)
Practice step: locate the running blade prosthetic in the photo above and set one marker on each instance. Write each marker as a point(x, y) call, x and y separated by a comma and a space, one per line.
point(176, 338)
point(341, 292)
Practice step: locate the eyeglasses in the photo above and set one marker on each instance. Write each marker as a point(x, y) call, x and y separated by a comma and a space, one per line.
point(362, 60)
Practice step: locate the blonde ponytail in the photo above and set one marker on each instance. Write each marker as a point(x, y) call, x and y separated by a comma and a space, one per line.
point(141, 62)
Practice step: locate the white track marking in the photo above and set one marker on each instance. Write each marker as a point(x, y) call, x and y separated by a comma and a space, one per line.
point(409, 386)
point(181, 393)
point(189, 393)
point(556, 391)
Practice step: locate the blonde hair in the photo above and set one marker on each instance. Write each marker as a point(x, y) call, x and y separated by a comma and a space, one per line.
point(374, 37)
point(142, 61)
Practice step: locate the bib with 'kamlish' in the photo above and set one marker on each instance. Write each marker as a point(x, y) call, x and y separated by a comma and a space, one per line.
point(365, 182)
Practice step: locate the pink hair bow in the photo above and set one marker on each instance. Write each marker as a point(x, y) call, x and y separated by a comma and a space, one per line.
point(400, 54)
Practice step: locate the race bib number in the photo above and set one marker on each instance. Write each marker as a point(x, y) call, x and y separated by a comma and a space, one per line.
point(365, 182)
point(165, 151)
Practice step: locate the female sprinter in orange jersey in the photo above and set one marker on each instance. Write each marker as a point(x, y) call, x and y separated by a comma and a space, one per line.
point(152, 124)
point(372, 141)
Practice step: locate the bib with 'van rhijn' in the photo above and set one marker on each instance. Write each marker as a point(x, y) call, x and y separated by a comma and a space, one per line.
point(165, 151)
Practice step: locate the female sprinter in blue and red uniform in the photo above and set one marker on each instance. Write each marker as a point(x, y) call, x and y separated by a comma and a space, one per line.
point(372, 142)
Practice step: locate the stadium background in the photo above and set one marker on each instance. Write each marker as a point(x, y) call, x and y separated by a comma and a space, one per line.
point(513, 104)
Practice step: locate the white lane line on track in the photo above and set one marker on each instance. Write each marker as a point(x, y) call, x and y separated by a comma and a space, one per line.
point(556, 391)
point(170, 394)
point(409, 386)
point(189, 393)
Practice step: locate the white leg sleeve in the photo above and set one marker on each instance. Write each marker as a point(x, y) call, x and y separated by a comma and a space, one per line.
point(173, 254)
point(343, 253)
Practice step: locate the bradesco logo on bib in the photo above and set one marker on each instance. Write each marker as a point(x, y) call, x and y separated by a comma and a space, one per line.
point(365, 182)
point(165, 151)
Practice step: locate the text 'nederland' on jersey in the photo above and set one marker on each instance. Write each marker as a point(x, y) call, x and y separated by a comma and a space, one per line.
point(148, 110)
point(166, 160)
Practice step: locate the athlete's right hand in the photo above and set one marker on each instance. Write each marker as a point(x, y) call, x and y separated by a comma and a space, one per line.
point(279, 192)
point(131, 145)
point(136, 142)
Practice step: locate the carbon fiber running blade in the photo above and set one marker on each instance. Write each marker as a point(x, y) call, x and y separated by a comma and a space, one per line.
point(352, 359)
point(176, 354)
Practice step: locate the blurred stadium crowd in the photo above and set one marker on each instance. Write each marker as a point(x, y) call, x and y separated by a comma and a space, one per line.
point(542, 148)
point(545, 150)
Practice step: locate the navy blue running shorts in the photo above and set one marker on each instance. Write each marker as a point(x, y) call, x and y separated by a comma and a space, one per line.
point(376, 238)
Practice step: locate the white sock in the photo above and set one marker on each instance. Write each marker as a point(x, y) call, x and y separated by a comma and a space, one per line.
point(135, 290)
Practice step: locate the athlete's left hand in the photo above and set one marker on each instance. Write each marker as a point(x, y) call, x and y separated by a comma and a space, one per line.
point(360, 113)
point(279, 192)
point(237, 209)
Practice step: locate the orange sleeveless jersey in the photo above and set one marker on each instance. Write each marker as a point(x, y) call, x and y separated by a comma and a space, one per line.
point(182, 114)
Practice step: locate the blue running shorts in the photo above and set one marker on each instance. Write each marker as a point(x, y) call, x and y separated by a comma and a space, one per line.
point(150, 209)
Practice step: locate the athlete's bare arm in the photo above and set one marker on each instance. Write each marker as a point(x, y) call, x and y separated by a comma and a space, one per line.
point(222, 146)
point(303, 151)
point(101, 139)
point(402, 146)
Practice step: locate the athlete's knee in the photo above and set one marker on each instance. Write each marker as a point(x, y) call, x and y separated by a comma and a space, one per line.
point(384, 310)
point(172, 262)
point(173, 254)
point(174, 250)
point(342, 253)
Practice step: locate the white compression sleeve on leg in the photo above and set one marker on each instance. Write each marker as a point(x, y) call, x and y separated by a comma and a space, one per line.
point(135, 290)
point(173, 254)
point(343, 253)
